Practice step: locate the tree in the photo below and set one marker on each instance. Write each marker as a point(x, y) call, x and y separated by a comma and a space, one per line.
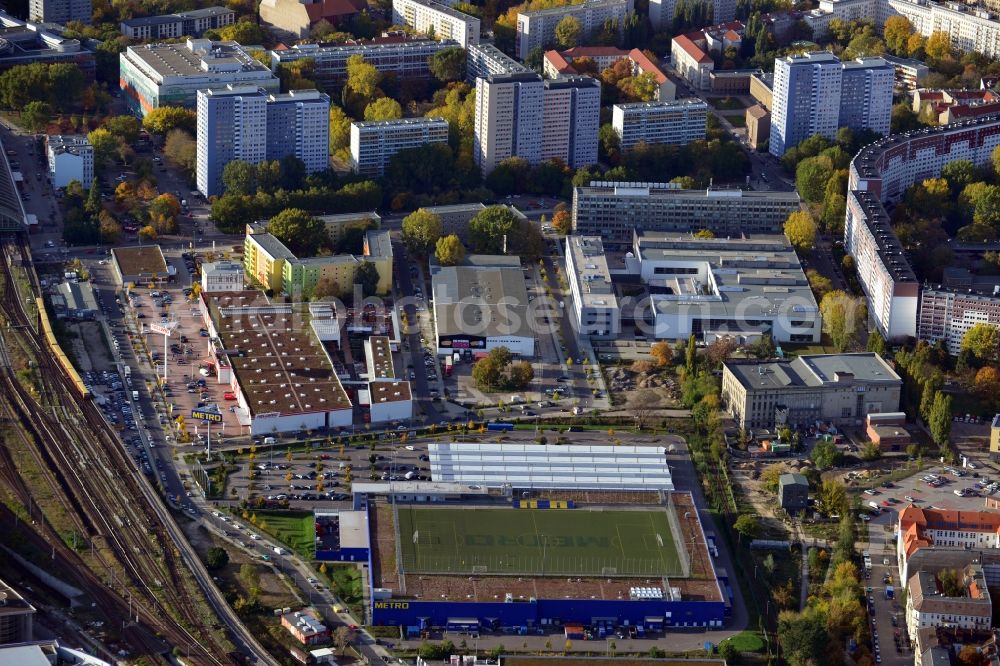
point(811, 177)
point(163, 212)
point(970, 656)
point(764, 347)
point(832, 498)
point(938, 46)
point(876, 343)
point(340, 129)
point(662, 353)
point(562, 222)
point(747, 525)
point(243, 31)
point(897, 31)
point(342, 637)
point(216, 558)
point(568, 32)
point(728, 652)
point(987, 384)
point(691, 357)
point(109, 228)
point(952, 582)
point(641, 403)
point(449, 250)
point(367, 278)
point(421, 231)
point(982, 341)
point(825, 454)
point(105, 146)
point(720, 350)
point(800, 228)
point(865, 44)
point(147, 233)
point(521, 375)
point(181, 150)
point(804, 637)
point(448, 64)
point(383, 108)
point(362, 77)
point(870, 451)
point(843, 318)
point(239, 178)
point(162, 120)
point(489, 228)
point(939, 421)
point(125, 128)
point(35, 115)
point(302, 233)
point(995, 159)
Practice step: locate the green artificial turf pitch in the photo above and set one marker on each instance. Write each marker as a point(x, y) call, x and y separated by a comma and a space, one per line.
point(536, 542)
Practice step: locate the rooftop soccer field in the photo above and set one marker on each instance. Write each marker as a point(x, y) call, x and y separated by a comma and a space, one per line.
point(536, 542)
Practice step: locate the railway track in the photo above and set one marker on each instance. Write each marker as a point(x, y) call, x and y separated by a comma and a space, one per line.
point(112, 502)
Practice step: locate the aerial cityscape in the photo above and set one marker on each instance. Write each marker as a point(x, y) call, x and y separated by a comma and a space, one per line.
point(500, 332)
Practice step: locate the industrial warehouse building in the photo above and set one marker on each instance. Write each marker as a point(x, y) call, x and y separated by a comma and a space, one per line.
point(482, 305)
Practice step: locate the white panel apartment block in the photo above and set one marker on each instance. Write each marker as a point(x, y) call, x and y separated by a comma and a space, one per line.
point(374, 143)
point(437, 19)
point(537, 29)
point(678, 123)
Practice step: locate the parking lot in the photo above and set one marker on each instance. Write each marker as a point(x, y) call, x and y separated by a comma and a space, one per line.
point(937, 487)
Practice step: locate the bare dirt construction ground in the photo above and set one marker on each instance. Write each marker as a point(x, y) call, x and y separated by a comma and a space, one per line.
point(275, 592)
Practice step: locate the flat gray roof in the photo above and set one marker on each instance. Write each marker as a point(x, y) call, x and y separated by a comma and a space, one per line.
point(169, 60)
point(467, 298)
point(813, 371)
point(354, 529)
point(751, 276)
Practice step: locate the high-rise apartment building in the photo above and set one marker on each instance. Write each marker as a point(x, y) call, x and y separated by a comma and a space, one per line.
point(438, 20)
point(374, 143)
point(678, 123)
point(571, 119)
point(806, 99)
point(247, 124)
point(816, 93)
point(537, 29)
point(521, 115)
point(508, 119)
point(486, 59)
point(59, 11)
point(866, 94)
point(948, 314)
point(298, 123)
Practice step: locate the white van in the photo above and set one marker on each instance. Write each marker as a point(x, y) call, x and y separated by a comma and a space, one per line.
point(269, 440)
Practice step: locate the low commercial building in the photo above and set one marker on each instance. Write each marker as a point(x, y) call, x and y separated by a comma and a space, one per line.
point(793, 492)
point(485, 60)
point(338, 225)
point(373, 143)
point(741, 288)
point(183, 24)
point(838, 388)
point(556, 64)
point(677, 123)
point(389, 401)
point(481, 305)
point(306, 628)
point(613, 210)
point(75, 300)
point(930, 604)
point(140, 265)
point(295, 19)
point(272, 265)
point(280, 373)
point(26, 43)
point(437, 19)
point(155, 75)
point(758, 121)
point(537, 29)
point(888, 431)
point(730, 81)
point(593, 305)
point(221, 276)
point(909, 72)
point(70, 158)
point(405, 57)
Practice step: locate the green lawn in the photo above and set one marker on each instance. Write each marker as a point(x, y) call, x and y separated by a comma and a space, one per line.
point(726, 103)
point(736, 120)
point(295, 529)
point(537, 541)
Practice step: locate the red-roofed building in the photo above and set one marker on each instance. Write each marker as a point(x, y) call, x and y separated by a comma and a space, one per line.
point(952, 106)
point(558, 64)
point(691, 62)
point(926, 528)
